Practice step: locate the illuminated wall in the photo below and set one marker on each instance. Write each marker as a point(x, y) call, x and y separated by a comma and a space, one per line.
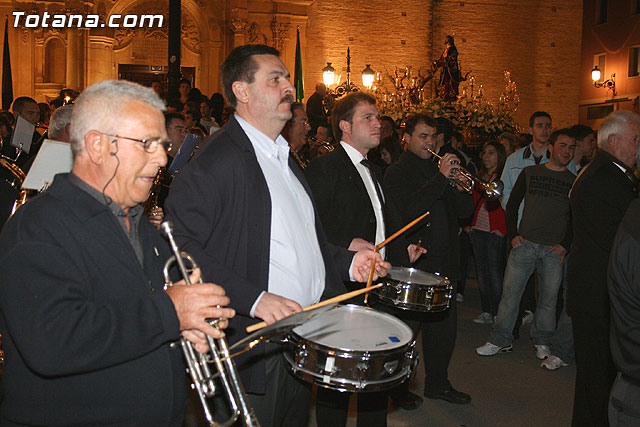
point(539, 42)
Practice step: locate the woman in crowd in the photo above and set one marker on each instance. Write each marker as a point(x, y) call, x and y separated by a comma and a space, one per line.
point(487, 234)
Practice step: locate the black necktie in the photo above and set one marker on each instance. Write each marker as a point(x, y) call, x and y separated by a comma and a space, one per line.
point(366, 163)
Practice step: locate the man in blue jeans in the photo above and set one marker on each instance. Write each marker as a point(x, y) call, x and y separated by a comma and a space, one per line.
point(539, 243)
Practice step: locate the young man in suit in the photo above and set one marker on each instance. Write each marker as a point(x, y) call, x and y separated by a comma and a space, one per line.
point(352, 209)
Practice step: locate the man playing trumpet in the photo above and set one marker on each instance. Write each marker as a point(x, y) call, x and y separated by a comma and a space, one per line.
point(87, 327)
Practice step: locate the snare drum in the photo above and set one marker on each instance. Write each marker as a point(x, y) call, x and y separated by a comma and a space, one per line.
point(352, 348)
point(414, 290)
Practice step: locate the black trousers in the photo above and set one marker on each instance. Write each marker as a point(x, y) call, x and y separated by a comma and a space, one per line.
point(439, 331)
point(288, 399)
point(595, 371)
point(332, 408)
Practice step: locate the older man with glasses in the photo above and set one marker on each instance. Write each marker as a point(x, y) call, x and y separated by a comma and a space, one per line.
point(87, 328)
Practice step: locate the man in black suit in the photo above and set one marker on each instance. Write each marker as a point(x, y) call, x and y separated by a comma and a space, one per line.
point(315, 107)
point(599, 199)
point(352, 209)
point(88, 332)
point(415, 184)
point(244, 210)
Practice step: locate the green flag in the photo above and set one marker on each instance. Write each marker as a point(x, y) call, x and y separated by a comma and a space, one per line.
point(298, 80)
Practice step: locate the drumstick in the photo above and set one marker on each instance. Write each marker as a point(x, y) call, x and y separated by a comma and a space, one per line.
point(382, 244)
point(402, 230)
point(339, 298)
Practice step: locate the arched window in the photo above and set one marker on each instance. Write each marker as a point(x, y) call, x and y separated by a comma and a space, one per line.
point(55, 62)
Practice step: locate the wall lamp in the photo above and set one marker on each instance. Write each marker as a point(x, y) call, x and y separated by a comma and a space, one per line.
point(610, 84)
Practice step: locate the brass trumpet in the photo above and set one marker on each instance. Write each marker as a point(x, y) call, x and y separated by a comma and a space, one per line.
point(325, 144)
point(198, 363)
point(492, 190)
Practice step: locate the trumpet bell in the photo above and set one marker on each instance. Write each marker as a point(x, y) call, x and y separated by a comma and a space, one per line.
point(493, 190)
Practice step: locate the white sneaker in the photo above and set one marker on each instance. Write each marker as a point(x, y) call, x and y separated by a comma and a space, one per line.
point(490, 349)
point(542, 351)
point(527, 317)
point(484, 318)
point(552, 363)
point(459, 297)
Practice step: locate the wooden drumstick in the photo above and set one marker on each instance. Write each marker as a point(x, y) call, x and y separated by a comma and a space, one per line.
point(338, 298)
point(382, 244)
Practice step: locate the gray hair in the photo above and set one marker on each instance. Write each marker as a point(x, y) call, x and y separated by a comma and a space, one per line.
point(99, 108)
point(615, 124)
point(60, 118)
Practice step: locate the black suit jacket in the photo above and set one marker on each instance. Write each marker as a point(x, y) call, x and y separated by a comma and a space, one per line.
point(315, 110)
point(221, 210)
point(85, 328)
point(414, 185)
point(344, 206)
point(599, 199)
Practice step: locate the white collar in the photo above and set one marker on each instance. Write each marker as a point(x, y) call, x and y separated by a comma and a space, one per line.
point(355, 155)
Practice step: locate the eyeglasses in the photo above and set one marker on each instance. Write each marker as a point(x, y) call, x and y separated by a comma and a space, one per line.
point(150, 144)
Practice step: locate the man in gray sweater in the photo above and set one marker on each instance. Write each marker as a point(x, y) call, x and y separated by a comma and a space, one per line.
point(539, 243)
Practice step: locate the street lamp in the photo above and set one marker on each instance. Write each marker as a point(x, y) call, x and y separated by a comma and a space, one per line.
point(610, 84)
point(367, 76)
point(328, 75)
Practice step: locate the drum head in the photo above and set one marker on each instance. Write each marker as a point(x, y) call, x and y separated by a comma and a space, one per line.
point(355, 328)
point(411, 275)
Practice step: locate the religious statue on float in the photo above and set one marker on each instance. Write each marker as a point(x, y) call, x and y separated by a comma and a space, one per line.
point(450, 74)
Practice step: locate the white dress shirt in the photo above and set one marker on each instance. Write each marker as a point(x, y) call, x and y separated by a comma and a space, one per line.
point(365, 174)
point(296, 266)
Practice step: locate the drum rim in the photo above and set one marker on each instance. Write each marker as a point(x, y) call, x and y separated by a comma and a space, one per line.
point(444, 280)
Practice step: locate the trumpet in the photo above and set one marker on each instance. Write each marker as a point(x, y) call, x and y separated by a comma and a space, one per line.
point(492, 190)
point(325, 144)
point(199, 364)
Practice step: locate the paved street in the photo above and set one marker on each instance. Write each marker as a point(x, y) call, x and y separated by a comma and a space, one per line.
point(507, 389)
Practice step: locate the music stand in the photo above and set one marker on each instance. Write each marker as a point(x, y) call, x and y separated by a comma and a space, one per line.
point(53, 158)
point(22, 134)
point(184, 153)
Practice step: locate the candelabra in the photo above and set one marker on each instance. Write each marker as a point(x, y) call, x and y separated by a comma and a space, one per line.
point(406, 91)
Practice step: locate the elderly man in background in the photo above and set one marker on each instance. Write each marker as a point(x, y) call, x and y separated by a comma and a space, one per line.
point(295, 132)
point(599, 199)
point(87, 327)
point(60, 124)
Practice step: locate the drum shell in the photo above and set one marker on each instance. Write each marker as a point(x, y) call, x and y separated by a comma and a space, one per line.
point(412, 295)
point(352, 370)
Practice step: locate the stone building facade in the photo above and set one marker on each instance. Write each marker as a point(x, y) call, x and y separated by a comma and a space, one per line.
point(538, 42)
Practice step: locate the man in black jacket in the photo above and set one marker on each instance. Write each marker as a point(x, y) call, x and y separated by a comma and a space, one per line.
point(415, 184)
point(599, 199)
point(624, 292)
point(243, 209)
point(87, 329)
point(315, 107)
